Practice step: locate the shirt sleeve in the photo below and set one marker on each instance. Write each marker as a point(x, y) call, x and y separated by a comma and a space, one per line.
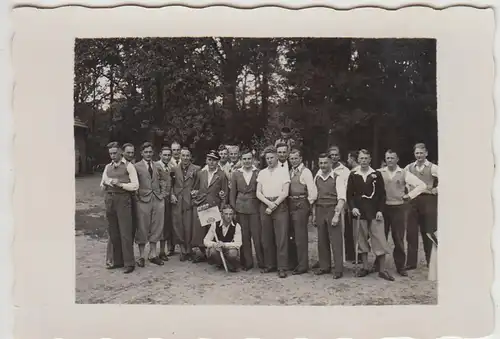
point(133, 185)
point(208, 241)
point(434, 170)
point(286, 176)
point(417, 185)
point(104, 179)
point(236, 243)
point(312, 190)
point(259, 177)
point(341, 188)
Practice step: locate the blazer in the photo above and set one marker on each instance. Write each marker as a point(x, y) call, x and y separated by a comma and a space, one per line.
point(167, 174)
point(182, 186)
point(243, 197)
point(208, 192)
point(149, 186)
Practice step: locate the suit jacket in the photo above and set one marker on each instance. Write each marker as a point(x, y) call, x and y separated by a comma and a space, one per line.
point(208, 192)
point(149, 186)
point(243, 197)
point(167, 174)
point(183, 185)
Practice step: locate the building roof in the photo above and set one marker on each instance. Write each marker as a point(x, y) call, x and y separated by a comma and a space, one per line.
point(79, 123)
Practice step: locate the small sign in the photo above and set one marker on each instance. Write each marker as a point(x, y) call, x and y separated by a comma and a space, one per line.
point(208, 216)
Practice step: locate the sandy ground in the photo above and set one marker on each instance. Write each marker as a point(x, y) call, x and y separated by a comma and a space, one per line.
point(188, 283)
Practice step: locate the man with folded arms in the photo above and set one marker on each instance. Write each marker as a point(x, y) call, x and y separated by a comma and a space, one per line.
point(327, 216)
point(273, 184)
point(243, 198)
point(224, 237)
point(119, 180)
point(366, 197)
point(212, 190)
point(395, 180)
point(150, 205)
point(303, 193)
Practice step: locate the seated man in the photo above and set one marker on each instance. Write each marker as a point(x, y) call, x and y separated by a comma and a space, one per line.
point(224, 237)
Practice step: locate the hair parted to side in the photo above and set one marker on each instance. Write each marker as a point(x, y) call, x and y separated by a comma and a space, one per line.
point(391, 151)
point(146, 145)
point(246, 151)
point(333, 148)
point(165, 148)
point(227, 207)
point(186, 149)
point(128, 144)
point(281, 144)
point(270, 149)
point(222, 148)
point(323, 155)
point(113, 144)
point(365, 152)
point(175, 143)
point(353, 154)
point(420, 145)
point(296, 151)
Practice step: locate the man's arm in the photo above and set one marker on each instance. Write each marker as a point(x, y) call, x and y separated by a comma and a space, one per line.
point(133, 185)
point(418, 185)
point(351, 192)
point(285, 190)
point(380, 192)
point(341, 194)
point(233, 192)
point(225, 188)
point(236, 243)
point(312, 190)
point(105, 179)
point(261, 196)
point(208, 240)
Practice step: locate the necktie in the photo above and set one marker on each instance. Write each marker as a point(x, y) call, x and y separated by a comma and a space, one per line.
point(150, 169)
point(282, 164)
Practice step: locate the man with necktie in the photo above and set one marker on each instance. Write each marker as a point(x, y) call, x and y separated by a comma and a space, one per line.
point(168, 234)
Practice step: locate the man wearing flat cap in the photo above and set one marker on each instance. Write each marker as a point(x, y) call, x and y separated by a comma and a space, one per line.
point(212, 190)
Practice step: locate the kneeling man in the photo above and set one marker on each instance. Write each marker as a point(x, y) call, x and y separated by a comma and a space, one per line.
point(224, 237)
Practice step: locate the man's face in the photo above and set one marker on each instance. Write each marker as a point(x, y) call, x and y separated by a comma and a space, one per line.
point(271, 159)
point(114, 154)
point(234, 154)
point(282, 153)
point(335, 156)
point(223, 154)
point(391, 159)
point(211, 163)
point(176, 151)
point(227, 215)
point(420, 154)
point(129, 153)
point(165, 156)
point(246, 160)
point(147, 153)
point(325, 164)
point(185, 157)
point(364, 160)
point(295, 159)
point(285, 135)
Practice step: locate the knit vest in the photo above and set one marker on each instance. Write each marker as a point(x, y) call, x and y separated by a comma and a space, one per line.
point(395, 187)
point(229, 237)
point(425, 176)
point(296, 187)
point(120, 172)
point(327, 191)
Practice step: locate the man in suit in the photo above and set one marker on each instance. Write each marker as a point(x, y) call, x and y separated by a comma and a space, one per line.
point(211, 189)
point(153, 186)
point(224, 237)
point(119, 180)
point(185, 180)
point(243, 199)
point(176, 154)
point(167, 239)
point(273, 185)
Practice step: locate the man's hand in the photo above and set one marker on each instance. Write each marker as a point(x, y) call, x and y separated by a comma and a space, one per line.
point(193, 193)
point(218, 246)
point(272, 206)
point(113, 182)
point(336, 219)
point(434, 191)
point(379, 216)
point(355, 212)
point(173, 199)
point(269, 211)
point(406, 197)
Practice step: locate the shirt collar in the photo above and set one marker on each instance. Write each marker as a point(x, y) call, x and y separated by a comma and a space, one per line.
point(122, 160)
point(320, 174)
point(358, 171)
point(386, 169)
point(426, 163)
point(299, 168)
point(223, 225)
point(243, 171)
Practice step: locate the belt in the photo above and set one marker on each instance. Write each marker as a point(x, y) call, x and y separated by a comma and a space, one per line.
point(272, 198)
point(120, 193)
point(296, 197)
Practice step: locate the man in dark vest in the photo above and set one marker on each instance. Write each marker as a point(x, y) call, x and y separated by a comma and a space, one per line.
point(150, 205)
point(243, 199)
point(395, 180)
point(366, 197)
point(423, 211)
point(273, 186)
point(168, 234)
point(212, 190)
point(302, 195)
point(224, 237)
point(119, 180)
point(327, 216)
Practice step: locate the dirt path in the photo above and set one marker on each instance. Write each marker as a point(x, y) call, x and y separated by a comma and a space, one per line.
point(188, 283)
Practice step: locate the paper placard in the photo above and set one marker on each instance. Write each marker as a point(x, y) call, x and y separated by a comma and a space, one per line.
point(209, 216)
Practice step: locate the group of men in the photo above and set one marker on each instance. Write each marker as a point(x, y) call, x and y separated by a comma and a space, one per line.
point(267, 211)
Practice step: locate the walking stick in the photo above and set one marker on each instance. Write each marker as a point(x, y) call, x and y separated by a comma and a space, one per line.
point(356, 267)
point(222, 255)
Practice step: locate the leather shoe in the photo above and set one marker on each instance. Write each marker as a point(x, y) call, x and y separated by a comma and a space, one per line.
point(338, 275)
point(282, 274)
point(268, 270)
point(183, 257)
point(200, 258)
point(171, 253)
point(141, 262)
point(316, 265)
point(402, 273)
point(362, 273)
point(156, 261)
point(129, 269)
point(409, 268)
point(385, 275)
point(298, 272)
point(163, 256)
point(112, 267)
point(321, 272)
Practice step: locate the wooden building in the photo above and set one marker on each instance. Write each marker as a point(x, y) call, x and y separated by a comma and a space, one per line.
point(80, 130)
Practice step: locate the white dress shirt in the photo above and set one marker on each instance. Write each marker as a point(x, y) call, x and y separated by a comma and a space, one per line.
point(414, 184)
point(306, 178)
point(209, 240)
point(339, 183)
point(283, 165)
point(272, 181)
point(132, 186)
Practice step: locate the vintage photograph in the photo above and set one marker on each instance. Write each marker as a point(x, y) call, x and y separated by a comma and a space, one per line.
point(256, 171)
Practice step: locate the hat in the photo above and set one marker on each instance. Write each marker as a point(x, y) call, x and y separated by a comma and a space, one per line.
point(213, 154)
point(286, 129)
